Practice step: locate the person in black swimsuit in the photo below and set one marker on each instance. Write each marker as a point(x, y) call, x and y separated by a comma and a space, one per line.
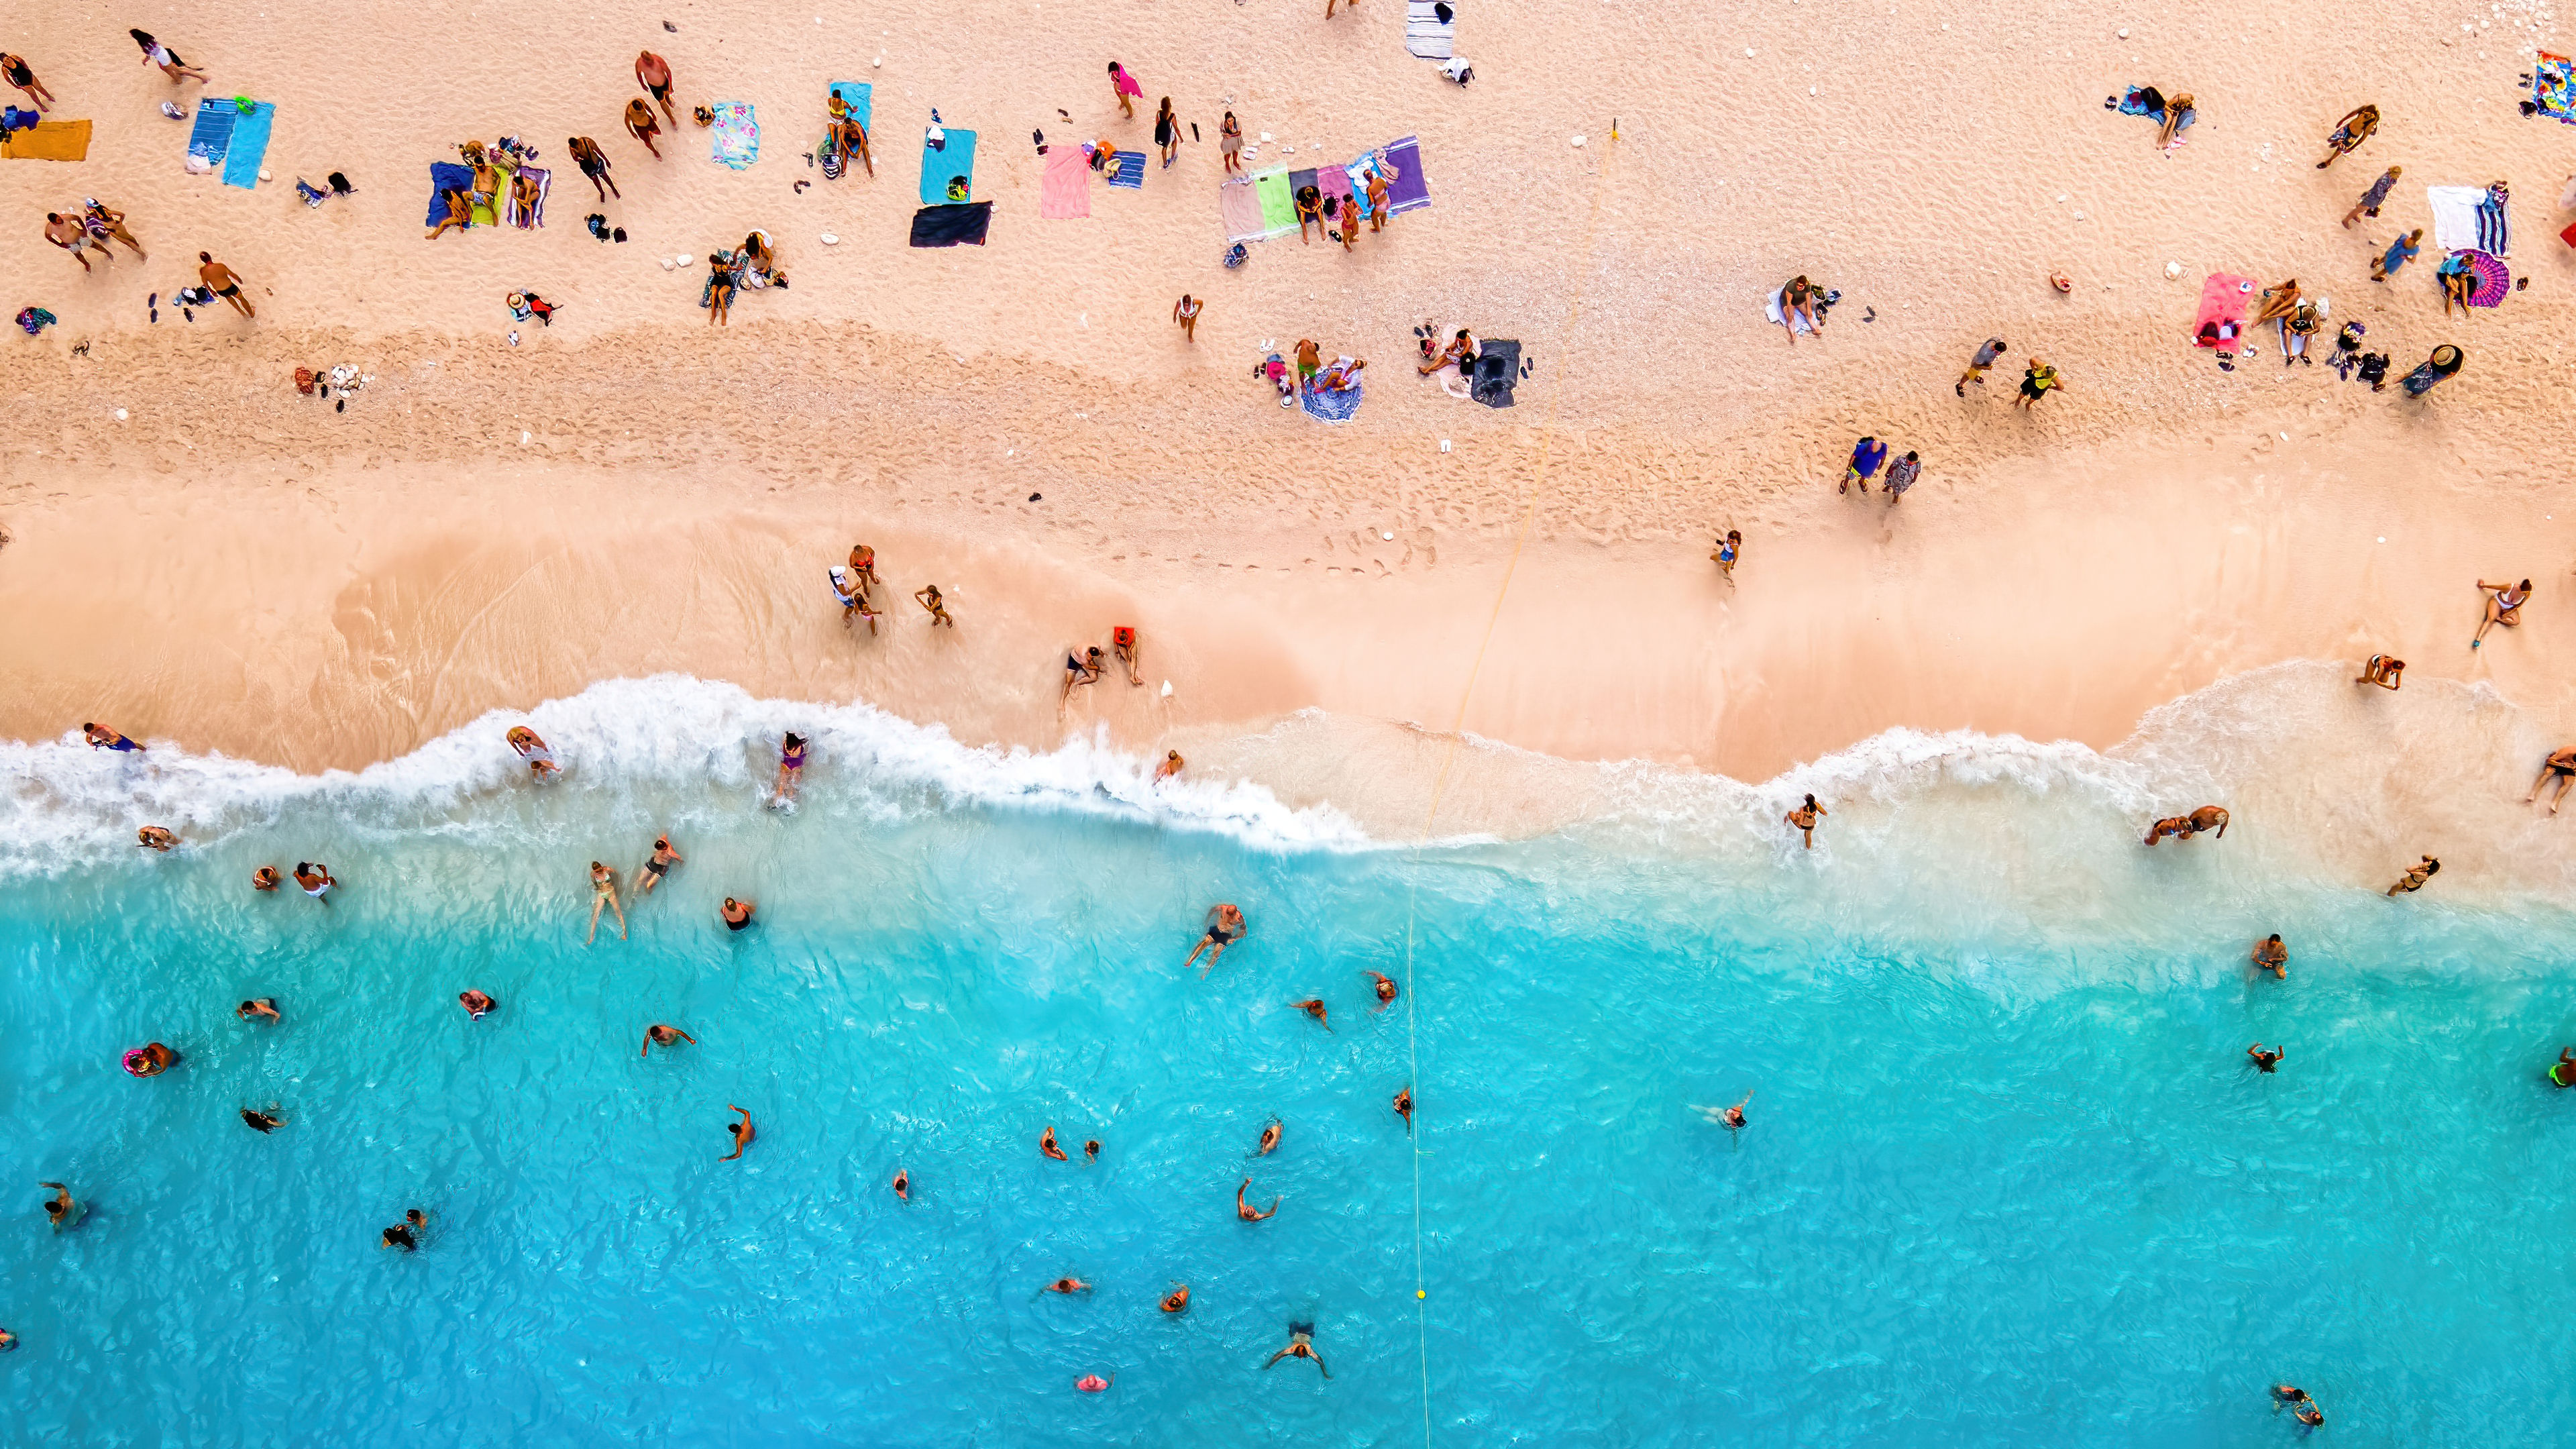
point(1167, 132)
point(1225, 926)
point(1078, 670)
point(664, 857)
point(1301, 1344)
point(737, 914)
point(2560, 767)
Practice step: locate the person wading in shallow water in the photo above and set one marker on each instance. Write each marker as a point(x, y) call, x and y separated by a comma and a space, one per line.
point(1804, 818)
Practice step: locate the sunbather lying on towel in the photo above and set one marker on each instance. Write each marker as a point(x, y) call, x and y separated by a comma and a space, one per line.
point(1460, 353)
point(1342, 376)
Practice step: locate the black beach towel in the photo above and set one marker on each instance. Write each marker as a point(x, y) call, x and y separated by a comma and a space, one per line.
point(946, 226)
point(1498, 367)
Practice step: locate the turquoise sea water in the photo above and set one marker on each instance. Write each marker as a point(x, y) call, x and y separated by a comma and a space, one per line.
point(2007, 1179)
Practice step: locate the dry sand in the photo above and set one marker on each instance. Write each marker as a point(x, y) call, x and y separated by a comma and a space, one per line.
point(236, 567)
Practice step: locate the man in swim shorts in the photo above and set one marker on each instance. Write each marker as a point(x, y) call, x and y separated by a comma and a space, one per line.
point(100, 737)
point(1301, 1344)
point(257, 1008)
point(664, 1035)
point(221, 280)
point(314, 879)
point(653, 73)
point(2559, 767)
point(2382, 670)
point(664, 857)
point(1225, 926)
point(2270, 955)
point(1977, 365)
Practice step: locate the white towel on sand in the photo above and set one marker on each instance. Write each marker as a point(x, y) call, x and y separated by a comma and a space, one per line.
point(2455, 216)
point(1425, 35)
point(1780, 315)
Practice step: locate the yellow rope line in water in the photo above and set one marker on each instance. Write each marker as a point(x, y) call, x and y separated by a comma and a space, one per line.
point(1449, 754)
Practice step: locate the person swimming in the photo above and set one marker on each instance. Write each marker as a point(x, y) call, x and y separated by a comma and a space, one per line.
point(737, 914)
point(1091, 1149)
point(1047, 1147)
point(664, 857)
point(1385, 989)
point(314, 879)
point(1404, 1107)
point(1177, 1299)
point(1314, 1006)
point(1301, 1344)
point(741, 1132)
point(1730, 1118)
point(1225, 926)
point(60, 1209)
point(476, 1003)
point(150, 1059)
point(2270, 955)
point(658, 1034)
point(903, 1184)
point(2564, 1073)
point(1094, 1383)
point(1269, 1139)
point(399, 1236)
point(1068, 1285)
point(264, 879)
point(2264, 1061)
point(256, 1008)
point(1245, 1210)
point(261, 1122)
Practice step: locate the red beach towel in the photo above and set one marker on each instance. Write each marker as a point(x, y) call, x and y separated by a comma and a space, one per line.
point(2221, 322)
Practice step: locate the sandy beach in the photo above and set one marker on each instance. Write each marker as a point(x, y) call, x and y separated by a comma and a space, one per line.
point(205, 556)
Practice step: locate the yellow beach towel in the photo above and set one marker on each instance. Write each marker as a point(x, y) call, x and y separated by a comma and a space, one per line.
point(50, 141)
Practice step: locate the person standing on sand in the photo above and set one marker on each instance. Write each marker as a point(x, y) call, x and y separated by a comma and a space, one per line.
point(1229, 142)
point(155, 53)
point(1804, 819)
point(2414, 879)
point(641, 125)
point(1977, 365)
point(102, 223)
point(1186, 312)
point(2349, 133)
point(1379, 194)
point(224, 283)
point(1901, 475)
point(2371, 200)
point(2504, 606)
point(72, 237)
point(1866, 455)
point(603, 892)
point(1124, 86)
point(863, 563)
point(2382, 670)
point(927, 596)
point(2399, 253)
point(2270, 955)
point(653, 73)
point(1727, 550)
point(1310, 359)
point(2037, 381)
point(2561, 767)
point(1167, 132)
point(594, 164)
point(14, 69)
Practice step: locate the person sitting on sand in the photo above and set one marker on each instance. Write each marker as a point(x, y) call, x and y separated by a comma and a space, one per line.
point(1225, 926)
point(2270, 955)
point(2455, 279)
point(2264, 1061)
point(2277, 303)
point(1804, 818)
point(741, 1132)
point(1342, 376)
point(1079, 669)
point(1798, 300)
point(1301, 1344)
point(100, 737)
point(1122, 642)
point(2382, 670)
point(2178, 113)
point(2349, 133)
point(1247, 1212)
point(736, 914)
point(541, 761)
point(594, 164)
point(603, 893)
point(848, 137)
point(2414, 879)
point(1460, 354)
point(719, 301)
point(658, 1034)
point(156, 837)
point(258, 1007)
point(1310, 211)
point(1171, 767)
point(460, 212)
point(2504, 606)
point(2561, 767)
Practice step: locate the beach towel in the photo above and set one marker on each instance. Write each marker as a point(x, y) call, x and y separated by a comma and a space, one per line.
point(529, 217)
point(444, 177)
point(2455, 215)
point(2490, 279)
point(948, 226)
point(1064, 193)
point(2495, 226)
point(1426, 34)
point(735, 137)
point(939, 169)
point(1298, 181)
point(1331, 407)
point(1778, 314)
point(1278, 212)
point(249, 146)
point(1129, 171)
point(1335, 183)
point(1240, 210)
point(2553, 87)
point(855, 95)
point(48, 141)
point(1498, 371)
point(487, 212)
point(2221, 320)
point(212, 135)
point(1406, 188)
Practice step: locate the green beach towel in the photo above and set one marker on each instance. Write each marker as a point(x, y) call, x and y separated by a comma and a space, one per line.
point(1278, 211)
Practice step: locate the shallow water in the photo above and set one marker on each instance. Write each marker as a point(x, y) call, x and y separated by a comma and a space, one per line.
point(2008, 1177)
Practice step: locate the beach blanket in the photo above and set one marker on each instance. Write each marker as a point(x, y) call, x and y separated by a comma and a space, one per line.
point(2495, 226)
point(1128, 171)
point(855, 95)
point(1778, 314)
point(487, 212)
point(212, 135)
point(2455, 215)
point(1498, 370)
point(1064, 193)
point(249, 146)
point(735, 137)
point(529, 217)
point(948, 226)
point(1335, 183)
point(2553, 87)
point(48, 141)
point(942, 168)
point(1407, 188)
point(1278, 212)
point(2490, 279)
point(1240, 210)
point(444, 177)
point(1299, 180)
point(1331, 407)
point(2220, 322)
point(1426, 34)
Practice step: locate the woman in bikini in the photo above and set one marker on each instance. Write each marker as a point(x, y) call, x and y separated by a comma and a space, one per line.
point(2504, 606)
point(849, 138)
point(2382, 670)
point(641, 125)
point(2561, 767)
point(1229, 142)
point(664, 857)
point(2414, 879)
point(2349, 133)
point(603, 892)
point(927, 596)
point(791, 769)
point(1804, 819)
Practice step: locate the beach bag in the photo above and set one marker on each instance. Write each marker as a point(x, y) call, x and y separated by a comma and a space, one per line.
point(2569, 235)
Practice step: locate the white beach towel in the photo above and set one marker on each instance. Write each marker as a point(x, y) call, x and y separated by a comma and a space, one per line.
point(1779, 316)
point(1425, 35)
point(2455, 216)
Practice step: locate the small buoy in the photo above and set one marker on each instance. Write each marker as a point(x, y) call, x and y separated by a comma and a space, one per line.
point(830, 240)
point(120, 415)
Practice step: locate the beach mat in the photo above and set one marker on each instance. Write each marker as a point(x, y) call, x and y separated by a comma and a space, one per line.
point(1278, 212)
point(48, 141)
point(855, 95)
point(1498, 371)
point(734, 139)
point(2222, 304)
point(212, 135)
point(1240, 209)
point(445, 176)
point(2491, 281)
point(527, 218)
point(1299, 180)
point(938, 168)
point(947, 226)
point(2455, 215)
point(1064, 193)
point(1406, 187)
point(1426, 34)
point(1128, 171)
point(249, 147)
point(1331, 407)
point(1773, 309)
point(2553, 87)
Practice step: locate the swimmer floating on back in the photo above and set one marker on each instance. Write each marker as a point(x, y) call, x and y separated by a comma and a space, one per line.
point(1245, 1210)
point(1225, 926)
point(664, 857)
point(603, 892)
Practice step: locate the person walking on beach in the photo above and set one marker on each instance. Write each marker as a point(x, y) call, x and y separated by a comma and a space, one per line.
point(155, 53)
point(1247, 1212)
point(2264, 1061)
point(1987, 352)
point(224, 283)
point(103, 224)
point(641, 125)
point(661, 1035)
point(863, 567)
point(2504, 606)
point(14, 69)
point(60, 1209)
point(2382, 670)
point(653, 73)
point(927, 596)
point(477, 1004)
point(1167, 132)
point(1727, 550)
point(2561, 767)
point(1866, 455)
point(664, 857)
point(741, 1133)
point(314, 879)
point(541, 760)
point(735, 914)
point(603, 892)
point(1301, 1336)
point(1124, 86)
point(72, 237)
point(2399, 253)
point(2037, 381)
point(2270, 955)
point(1186, 312)
point(2372, 199)
point(1901, 475)
point(1225, 926)
point(594, 164)
point(2414, 879)
point(2349, 133)
point(1804, 819)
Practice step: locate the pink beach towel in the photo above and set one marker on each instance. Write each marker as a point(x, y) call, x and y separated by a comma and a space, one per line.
point(2221, 322)
point(1065, 192)
point(1239, 207)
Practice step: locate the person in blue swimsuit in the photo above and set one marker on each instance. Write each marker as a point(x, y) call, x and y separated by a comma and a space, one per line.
point(1727, 548)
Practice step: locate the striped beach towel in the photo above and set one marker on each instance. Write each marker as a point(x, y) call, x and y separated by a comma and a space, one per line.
point(1130, 171)
point(1426, 34)
point(529, 217)
point(212, 135)
point(2495, 227)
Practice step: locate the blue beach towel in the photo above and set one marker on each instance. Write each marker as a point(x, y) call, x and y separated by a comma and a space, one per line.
point(1331, 407)
point(854, 94)
point(940, 168)
point(249, 148)
point(1130, 171)
point(212, 136)
point(444, 177)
